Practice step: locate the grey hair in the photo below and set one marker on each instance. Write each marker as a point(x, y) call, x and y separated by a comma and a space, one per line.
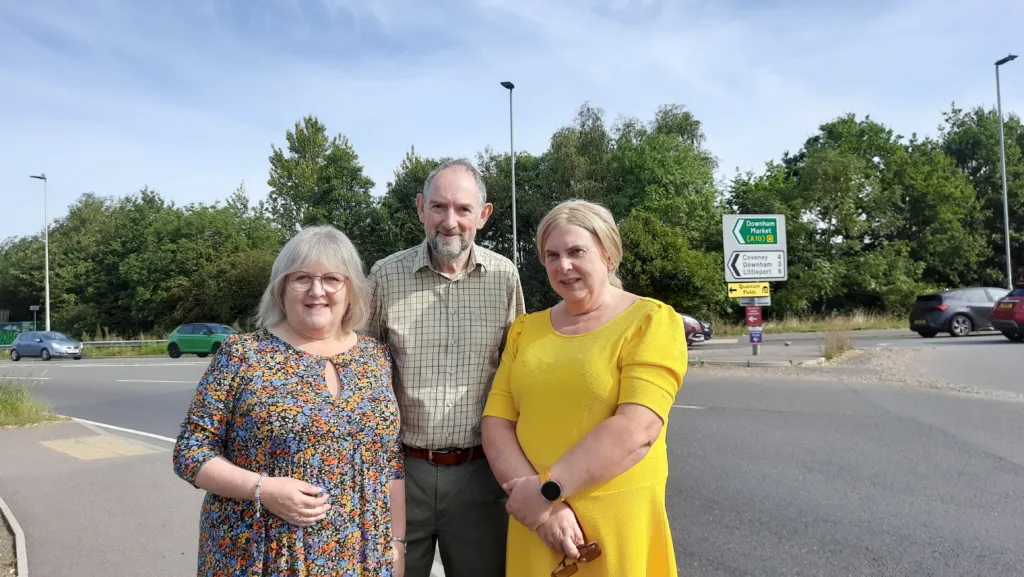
point(481, 189)
point(329, 247)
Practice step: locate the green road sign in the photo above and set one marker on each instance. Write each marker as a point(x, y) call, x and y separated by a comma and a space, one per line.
point(764, 230)
point(754, 247)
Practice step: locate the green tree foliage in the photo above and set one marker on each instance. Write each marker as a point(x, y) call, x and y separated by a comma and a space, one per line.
point(873, 220)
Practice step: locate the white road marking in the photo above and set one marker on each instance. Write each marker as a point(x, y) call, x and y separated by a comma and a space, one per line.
point(722, 341)
point(153, 381)
point(122, 429)
point(108, 365)
point(688, 407)
point(883, 344)
point(28, 378)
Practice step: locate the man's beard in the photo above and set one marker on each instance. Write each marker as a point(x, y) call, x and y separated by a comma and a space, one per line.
point(449, 250)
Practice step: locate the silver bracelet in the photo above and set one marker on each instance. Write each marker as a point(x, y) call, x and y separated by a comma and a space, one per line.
point(405, 546)
point(256, 495)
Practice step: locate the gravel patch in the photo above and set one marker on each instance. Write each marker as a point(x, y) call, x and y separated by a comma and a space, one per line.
point(889, 366)
point(8, 563)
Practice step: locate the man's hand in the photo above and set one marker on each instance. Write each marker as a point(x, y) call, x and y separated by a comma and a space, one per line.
point(562, 531)
point(525, 502)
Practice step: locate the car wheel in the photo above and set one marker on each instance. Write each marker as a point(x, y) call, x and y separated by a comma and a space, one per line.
point(960, 326)
point(1015, 337)
point(927, 334)
point(77, 358)
point(15, 356)
point(215, 347)
point(202, 355)
point(45, 354)
point(174, 350)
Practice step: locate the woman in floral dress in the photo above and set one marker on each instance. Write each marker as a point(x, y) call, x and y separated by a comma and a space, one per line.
point(293, 431)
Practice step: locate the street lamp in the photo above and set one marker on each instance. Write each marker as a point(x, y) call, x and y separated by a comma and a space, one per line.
point(1002, 160)
point(46, 243)
point(512, 145)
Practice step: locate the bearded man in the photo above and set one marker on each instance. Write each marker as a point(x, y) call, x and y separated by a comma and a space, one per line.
point(444, 308)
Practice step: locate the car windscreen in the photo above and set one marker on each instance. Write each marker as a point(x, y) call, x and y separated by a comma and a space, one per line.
point(929, 299)
point(56, 336)
point(1017, 292)
point(221, 329)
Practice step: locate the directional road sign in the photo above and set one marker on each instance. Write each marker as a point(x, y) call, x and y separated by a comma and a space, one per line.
point(755, 247)
point(748, 289)
point(756, 301)
point(756, 335)
point(753, 316)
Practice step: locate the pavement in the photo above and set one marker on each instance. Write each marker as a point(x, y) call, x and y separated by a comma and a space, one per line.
point(904, 458)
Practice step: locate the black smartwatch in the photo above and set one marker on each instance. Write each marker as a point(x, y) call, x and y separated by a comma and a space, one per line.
point(549, 488)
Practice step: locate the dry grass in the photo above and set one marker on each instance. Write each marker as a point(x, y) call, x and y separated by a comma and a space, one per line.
point(156, 349)
point(18, 407)
point(836, 341)
point(859, 321)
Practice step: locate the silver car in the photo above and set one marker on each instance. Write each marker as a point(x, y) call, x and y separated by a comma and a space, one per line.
point(45, 345)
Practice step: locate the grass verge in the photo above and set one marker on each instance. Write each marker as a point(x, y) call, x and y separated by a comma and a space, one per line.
point(144, 350)
point(836, 342)
point(18, 407)
point(851, 322)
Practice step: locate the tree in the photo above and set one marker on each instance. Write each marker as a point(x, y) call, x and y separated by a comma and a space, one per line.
point(319, 181)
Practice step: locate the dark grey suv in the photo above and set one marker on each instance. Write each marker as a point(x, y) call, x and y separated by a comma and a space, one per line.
point(956, 311)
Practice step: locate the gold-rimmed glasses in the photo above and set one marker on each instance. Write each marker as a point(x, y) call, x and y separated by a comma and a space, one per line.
point(302, 281)
point(568, 567)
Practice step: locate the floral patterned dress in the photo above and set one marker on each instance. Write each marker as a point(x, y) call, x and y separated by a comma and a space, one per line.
point(264, 405)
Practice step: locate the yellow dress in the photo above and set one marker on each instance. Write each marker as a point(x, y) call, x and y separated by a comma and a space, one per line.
point(556, 388)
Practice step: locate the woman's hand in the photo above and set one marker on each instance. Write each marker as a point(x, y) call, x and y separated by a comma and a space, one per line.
point(562, 531)
point(398, 551)
point(525, 503)
point(295, 501)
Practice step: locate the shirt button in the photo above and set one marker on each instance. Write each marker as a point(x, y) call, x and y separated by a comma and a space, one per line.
point(451, 403)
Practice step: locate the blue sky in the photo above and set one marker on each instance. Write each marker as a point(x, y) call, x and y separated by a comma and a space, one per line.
point(186, 97)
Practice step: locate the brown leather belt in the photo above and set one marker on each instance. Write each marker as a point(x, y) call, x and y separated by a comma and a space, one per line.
point(455, 457)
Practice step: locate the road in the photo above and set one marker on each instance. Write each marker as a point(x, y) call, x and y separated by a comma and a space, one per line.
point(897, 338)
point(878, 466)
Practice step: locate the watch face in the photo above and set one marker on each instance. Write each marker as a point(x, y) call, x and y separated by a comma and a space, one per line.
point(551, 490)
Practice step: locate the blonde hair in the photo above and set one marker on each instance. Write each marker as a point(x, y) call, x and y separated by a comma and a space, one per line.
point(593, 218)
point(329, 247)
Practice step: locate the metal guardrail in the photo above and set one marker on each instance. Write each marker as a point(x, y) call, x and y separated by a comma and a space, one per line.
point(113, 344)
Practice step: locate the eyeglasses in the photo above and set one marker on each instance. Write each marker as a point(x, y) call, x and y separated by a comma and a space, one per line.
point(588, 552)
point(302, 281)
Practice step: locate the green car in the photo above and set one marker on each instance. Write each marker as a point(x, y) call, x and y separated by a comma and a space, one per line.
point(200, 339)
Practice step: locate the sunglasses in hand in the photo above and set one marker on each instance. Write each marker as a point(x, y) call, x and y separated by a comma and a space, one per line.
point(588, 552)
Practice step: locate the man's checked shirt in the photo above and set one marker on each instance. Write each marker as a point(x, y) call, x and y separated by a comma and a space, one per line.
point(446, 337)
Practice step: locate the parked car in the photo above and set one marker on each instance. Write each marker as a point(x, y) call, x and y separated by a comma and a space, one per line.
point(1008, 315)
point(46, 345)
point(956, 311)
point(199, 339)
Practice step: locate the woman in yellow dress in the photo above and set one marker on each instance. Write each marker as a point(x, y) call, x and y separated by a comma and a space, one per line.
point(574, 426)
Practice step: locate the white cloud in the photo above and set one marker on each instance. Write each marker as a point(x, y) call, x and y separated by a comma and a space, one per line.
point(111, 95)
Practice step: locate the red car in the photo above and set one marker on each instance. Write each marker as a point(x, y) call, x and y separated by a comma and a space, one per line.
point(694, 330)
point(1008, 315)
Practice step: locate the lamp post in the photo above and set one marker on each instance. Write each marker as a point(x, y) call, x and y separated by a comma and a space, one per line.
point(1002, 161)
point(512, 146)
point(46, 244)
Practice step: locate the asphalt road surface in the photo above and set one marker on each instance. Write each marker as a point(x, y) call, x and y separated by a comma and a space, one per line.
point(896, 338)
point(899, 461)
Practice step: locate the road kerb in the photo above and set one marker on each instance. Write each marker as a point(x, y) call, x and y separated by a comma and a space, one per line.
point(753, 363)
point(20, 553)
